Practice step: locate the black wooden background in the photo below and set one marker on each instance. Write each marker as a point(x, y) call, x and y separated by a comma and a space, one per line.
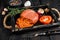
point(7, 35)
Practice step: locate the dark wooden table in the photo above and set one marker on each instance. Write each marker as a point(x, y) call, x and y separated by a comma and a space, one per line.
point(7, 35)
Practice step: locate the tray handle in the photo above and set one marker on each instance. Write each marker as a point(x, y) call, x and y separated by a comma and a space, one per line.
point(57, 12)
point(4, 22)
